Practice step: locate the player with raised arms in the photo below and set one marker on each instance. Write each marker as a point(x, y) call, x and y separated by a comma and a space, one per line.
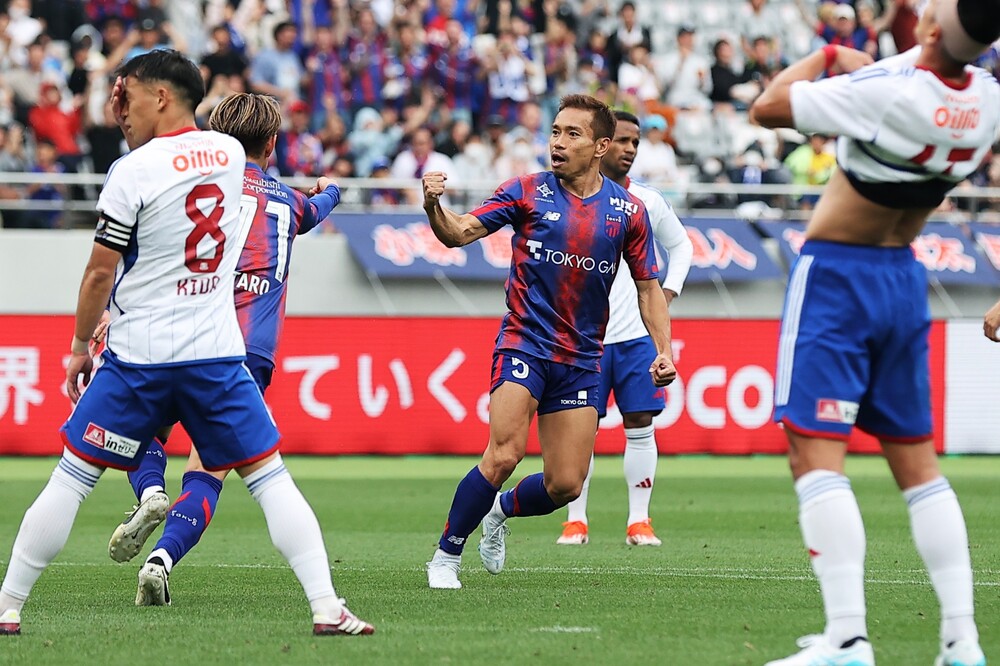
point(627, 348)
point(168, 241)
point(853, 349)
point(276, 214)
point(571, 227)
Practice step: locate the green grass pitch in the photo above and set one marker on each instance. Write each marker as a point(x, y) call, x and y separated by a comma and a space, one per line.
point(731, 584)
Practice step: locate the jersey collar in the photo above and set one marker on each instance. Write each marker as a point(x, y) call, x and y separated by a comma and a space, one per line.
point(951, 84)
point(176, 132)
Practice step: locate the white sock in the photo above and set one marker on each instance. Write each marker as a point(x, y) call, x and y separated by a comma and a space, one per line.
point(149, 491)
point(835, 536)
point(577, 509)
point(295, 532)
point(46, 526)
point(939, 532)
point(168, 562)
point(640, 471)
point(441, 555)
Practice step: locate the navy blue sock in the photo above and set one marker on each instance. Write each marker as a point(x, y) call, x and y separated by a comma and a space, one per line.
point(190, 515)
point(151, 469)
point(528, 498)
point(474, 498)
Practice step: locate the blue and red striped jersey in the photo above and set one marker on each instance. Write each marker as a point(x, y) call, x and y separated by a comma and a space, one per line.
point(565, 252)
point(277, 215)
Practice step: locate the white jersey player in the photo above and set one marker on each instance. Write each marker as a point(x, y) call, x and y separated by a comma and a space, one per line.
point(627, 345)
point(165, 255)
point(853, 350)
point(173, 296)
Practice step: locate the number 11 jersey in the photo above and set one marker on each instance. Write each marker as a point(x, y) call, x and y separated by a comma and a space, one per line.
point(276, 214)
point(172, 208)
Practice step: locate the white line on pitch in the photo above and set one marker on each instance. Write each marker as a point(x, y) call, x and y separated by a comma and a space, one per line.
point(556, 629)
point(712, 573)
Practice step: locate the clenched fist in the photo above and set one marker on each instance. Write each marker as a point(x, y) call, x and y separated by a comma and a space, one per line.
point(662, 370)
point(433, 182)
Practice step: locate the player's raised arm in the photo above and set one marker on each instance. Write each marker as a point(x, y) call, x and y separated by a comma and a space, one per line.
point(324, 196)
point(451, 228)
point(774, 106)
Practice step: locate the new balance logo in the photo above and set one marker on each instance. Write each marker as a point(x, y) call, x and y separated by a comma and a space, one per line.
point(645, 483)
point(457, 540)
point(552, 216)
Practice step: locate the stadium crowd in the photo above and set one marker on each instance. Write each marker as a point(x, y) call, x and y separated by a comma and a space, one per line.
point(393, 88)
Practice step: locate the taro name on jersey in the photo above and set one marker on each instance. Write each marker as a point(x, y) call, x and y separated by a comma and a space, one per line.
point(276, 214)
point(172, 208)
point(566, 252)
point(625, 320)
point(906, 135)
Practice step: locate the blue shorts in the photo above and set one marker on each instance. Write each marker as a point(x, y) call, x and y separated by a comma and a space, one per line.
point(556, 386)
point(261, 369)
point(218, 403)
point(625, 370)
point(853, 347)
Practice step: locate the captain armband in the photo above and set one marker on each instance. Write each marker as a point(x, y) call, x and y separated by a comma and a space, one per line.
point(111, 233)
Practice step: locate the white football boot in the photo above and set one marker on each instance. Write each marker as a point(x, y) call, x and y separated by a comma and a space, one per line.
point(493, 546)
point(131, 535)
point(817, 651)
point(442, 571)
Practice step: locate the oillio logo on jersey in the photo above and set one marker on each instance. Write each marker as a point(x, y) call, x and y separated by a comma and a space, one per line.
point(836, 411)
point(624, 205)
point(539, 252)
point(956, 118)
point(203, 161)
point(110, 441)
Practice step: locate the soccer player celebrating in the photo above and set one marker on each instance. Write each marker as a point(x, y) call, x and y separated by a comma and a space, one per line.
point(167, 245)
point(276, 214)
point(627, 348)
point(853, 349)
point(571, 227)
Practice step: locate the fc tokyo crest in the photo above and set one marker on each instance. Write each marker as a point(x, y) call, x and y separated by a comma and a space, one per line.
point(613, 226)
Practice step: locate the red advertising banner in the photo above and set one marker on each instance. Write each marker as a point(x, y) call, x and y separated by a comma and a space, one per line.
point(420, 386)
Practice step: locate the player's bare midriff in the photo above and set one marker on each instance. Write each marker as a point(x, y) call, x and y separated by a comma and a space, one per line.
point(844, 216)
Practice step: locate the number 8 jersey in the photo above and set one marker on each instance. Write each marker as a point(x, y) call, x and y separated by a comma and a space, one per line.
point(172, 208)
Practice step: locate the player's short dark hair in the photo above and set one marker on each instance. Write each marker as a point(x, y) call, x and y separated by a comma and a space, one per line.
point(626, 117)
point(602, 123)
point(171, 67)
point(250, 118)
point(980, 19)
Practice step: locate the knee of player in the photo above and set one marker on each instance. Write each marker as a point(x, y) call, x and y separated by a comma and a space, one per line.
point(502, 460)
point(563, 490)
